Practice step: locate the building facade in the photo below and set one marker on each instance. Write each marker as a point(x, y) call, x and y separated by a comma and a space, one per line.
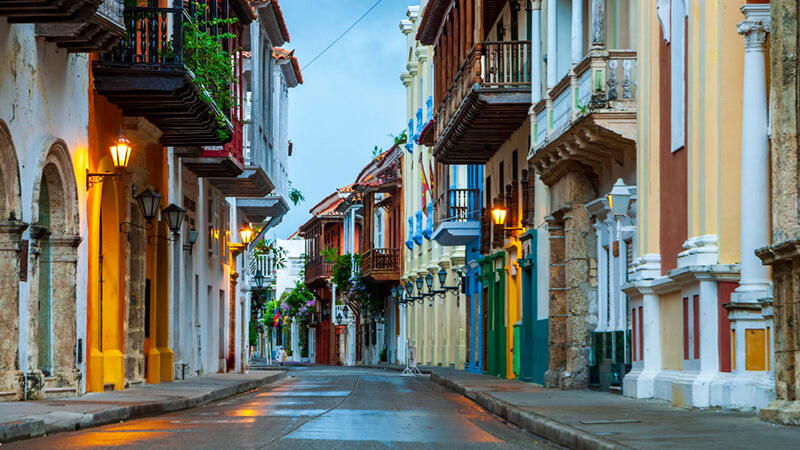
point(113, 281)
point(433, 317)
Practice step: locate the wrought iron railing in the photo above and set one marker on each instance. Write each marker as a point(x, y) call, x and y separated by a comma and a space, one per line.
point(505, 64)
point(148, 42)
point(381, 260)
point(265, 263)
point(457, 205)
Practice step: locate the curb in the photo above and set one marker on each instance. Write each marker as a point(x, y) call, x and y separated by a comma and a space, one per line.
point(30, 428)
point(557, 432)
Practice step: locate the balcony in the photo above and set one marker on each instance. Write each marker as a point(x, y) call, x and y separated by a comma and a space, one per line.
point(222, 164)
point(589, 116)
point(266, 264)
point(146, 76)
point(317, 271)
point(259, 210)
point(487, 101)
point(382, 264)
point(457, 214)
point(99, 31)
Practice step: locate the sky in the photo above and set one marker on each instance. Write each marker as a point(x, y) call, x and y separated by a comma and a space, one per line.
point(351, 98)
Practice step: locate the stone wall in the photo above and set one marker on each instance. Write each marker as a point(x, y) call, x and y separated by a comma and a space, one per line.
point(784, 253)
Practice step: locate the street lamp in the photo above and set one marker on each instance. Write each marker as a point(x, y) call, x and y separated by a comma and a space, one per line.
point(246, 233)
point(619, 198)
point(148, 202)
point(174, 215)
point(259, 278)
point(121, 151)
point(191, 238)
point(120, 155)
point(499, 214)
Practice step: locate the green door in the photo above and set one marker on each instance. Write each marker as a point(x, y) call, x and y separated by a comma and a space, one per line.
point(496, 333)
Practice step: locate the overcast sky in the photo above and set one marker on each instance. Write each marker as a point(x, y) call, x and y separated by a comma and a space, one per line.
point(351, 99)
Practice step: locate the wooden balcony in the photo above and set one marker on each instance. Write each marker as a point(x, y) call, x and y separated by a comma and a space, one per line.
point(100, 30)
point(457, 214)
point(318, 271)
point(486, 102)
point(146, 76)
point(222, 164)
point(48, 11)
point(382, 264)
point(589, 117)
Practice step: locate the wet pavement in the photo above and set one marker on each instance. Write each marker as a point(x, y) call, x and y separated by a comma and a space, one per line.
point(315, 407)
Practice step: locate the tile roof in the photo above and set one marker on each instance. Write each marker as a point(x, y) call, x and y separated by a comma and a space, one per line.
point(280, 53)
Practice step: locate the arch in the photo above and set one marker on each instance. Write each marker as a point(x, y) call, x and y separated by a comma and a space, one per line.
point(10, 199)
point(62, 188)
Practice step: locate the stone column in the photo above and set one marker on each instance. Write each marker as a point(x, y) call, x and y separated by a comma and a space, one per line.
point(10, 376)
point(598, 23)
point(755, 200)
point(64, 255)
point(536, 51)
point(557, 308)
point(552, 36)
point(577, 31)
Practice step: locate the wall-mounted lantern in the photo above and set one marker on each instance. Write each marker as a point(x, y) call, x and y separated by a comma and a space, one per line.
point(191, 238)
point(120, 155)
point(246, 233)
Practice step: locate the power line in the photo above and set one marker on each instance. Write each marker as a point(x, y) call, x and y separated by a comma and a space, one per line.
point(343, 33)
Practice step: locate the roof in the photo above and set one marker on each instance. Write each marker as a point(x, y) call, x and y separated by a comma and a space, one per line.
point(294, 77)
point(272, 21)
point(432, 19)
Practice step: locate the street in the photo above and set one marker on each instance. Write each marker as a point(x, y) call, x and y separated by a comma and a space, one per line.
point(315, 407)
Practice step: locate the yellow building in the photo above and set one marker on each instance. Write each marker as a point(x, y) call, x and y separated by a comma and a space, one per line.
point(434, 323)
point(700, 300)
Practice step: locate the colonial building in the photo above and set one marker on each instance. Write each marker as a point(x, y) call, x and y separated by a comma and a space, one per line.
point(121, 269)
point(326, 230)
point(433, 316)
point(48, 142)
point(699, 298)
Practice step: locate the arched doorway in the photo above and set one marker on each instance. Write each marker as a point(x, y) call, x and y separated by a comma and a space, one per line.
point(54, 242)
point(11, 229)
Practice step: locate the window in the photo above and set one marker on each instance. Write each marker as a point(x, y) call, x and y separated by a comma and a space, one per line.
point(296, 266)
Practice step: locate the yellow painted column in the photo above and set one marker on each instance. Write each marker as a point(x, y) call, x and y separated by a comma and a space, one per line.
point(165, 354)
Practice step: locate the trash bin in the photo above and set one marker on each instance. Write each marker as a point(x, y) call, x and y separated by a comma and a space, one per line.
point(517, 350)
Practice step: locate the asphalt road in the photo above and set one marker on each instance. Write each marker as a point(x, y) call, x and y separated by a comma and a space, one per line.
point(315, 407)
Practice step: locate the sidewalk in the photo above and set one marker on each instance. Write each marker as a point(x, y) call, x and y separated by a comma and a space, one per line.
point(23, 420)
point(588, 419)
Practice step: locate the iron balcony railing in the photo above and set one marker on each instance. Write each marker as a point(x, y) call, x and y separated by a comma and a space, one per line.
point(457, 205)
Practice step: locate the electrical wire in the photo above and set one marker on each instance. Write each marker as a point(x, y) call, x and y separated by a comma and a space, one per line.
point(374, 5)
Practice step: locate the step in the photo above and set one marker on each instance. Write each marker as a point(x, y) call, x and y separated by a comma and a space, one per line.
point(8, 396)
point(59, 392)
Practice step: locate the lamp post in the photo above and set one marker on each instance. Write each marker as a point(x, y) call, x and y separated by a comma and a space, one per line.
point(174, 215)
point(619, 198)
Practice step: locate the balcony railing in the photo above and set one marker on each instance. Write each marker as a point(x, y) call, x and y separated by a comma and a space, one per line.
point(603, 81)
point(490, 65)
point(381, 261)
point(264, 263)
point(457, 205)
point(146, 75)
point(318, 269)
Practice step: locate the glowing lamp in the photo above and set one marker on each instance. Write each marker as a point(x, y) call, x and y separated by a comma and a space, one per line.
point(499, 215)
point(246, 234)
point(121, 151)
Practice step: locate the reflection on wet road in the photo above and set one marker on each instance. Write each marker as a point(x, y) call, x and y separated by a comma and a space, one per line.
point(315, 408)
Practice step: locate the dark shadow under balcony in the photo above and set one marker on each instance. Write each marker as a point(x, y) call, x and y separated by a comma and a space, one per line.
point(456, 212)
point(145, 76)
point(48, 11)
point(99, 31)
point(382, 264)
point(487, 101)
